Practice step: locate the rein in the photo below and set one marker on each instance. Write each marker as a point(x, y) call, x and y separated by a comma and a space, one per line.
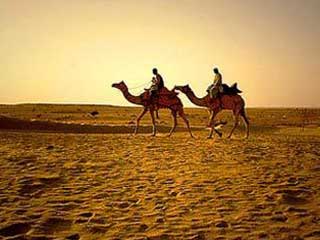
point(139, 86)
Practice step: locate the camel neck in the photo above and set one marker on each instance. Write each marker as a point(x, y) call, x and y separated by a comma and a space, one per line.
point(131, 98)
point(195, 100)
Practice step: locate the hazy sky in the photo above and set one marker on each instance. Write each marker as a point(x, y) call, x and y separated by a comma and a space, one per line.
point(72, 51)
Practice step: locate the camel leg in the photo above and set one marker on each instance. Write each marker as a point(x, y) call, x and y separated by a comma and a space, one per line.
point(157, 114)
point(236, 123)
point(211, 121)
point(139, 118)
point(183, 116)
point(246, 121)
point(209, 111)
point(174, 116)
point(153, 123)
point(211, 124)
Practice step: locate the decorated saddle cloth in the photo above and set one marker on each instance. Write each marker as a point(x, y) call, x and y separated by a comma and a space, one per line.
point(165, 97)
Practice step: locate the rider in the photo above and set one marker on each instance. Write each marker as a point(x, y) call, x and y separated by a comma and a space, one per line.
point(157, 84)
point(216, 87)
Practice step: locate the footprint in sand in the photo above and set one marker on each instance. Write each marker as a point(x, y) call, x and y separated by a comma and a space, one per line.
point(75, 236)
point(291, 199)
point(15, 229)
point(313, 234)
point(29, 186)
point(55, 224)
point(98, 228)
point(50, 179)
point(279, 218)
point(85, 217)
point(294, 196)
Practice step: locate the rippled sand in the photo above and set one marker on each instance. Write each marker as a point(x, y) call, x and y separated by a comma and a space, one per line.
point(120, 186)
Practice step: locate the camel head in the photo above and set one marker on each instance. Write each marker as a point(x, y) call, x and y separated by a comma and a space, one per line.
point(121, 86)
point(184, 89)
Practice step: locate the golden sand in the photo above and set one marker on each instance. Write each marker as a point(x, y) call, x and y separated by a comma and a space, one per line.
point(120, 186)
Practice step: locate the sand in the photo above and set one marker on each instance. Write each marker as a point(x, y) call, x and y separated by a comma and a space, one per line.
point(59, 185)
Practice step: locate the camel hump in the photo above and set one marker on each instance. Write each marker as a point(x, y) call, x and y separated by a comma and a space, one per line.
point(168, 98)
point(166, 91)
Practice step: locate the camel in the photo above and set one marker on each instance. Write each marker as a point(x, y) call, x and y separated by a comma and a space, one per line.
point(170, 101)
point(230, 101)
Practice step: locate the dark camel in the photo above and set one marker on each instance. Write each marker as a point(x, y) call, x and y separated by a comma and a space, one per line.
point(232, 102)
point(173, 103)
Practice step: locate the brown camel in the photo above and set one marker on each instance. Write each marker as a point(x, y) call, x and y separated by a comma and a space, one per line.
point(232, 102)
point(170, 101)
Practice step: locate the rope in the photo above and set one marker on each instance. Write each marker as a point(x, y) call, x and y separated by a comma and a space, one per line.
point(139, 86)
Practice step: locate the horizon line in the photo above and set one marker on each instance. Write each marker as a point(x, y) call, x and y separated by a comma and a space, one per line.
point(112, 105)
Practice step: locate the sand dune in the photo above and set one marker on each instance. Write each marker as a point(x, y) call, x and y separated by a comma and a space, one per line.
point(8, 123)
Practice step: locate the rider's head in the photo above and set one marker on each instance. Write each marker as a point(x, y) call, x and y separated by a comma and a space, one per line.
point(216, 70)
point(155, 71)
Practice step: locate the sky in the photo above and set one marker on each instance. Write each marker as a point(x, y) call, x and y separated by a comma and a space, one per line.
point(58, 51)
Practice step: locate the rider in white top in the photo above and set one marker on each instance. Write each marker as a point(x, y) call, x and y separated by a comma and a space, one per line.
point(216, 87)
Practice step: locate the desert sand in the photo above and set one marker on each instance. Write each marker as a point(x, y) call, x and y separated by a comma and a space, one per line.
point(66, 174)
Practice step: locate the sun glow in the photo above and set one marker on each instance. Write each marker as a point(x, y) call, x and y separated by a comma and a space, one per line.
point(58, 51)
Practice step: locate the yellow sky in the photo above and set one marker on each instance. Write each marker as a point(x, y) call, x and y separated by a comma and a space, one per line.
point(72, 51)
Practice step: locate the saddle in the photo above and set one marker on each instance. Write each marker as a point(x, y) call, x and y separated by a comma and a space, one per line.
point(164, 98)
point(233, 90)
point(226, 90)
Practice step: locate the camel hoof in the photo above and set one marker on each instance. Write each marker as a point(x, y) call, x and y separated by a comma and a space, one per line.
point(209, 137)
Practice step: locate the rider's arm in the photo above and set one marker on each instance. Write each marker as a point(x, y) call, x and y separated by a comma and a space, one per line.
point(154, 80)
point(158, 78)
